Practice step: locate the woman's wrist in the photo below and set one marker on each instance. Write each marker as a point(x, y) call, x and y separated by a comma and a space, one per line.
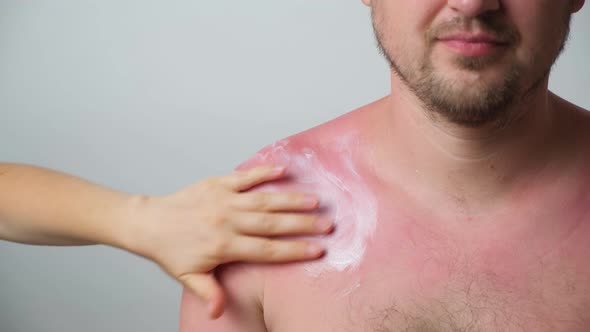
point(130, 229)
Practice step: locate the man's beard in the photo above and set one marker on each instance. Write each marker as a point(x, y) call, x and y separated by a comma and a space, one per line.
point(481, 103)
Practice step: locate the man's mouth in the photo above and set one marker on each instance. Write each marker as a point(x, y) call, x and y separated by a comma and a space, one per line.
point(473, 44)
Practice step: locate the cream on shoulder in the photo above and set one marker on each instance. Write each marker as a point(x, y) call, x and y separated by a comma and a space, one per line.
point(330, 173)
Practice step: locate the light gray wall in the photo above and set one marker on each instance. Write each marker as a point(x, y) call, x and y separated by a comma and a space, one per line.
point(150, 96)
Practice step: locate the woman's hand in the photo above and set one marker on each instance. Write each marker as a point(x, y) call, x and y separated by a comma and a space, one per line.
point(212, 222)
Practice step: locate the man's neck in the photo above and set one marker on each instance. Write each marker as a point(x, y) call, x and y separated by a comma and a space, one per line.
point(471, 169)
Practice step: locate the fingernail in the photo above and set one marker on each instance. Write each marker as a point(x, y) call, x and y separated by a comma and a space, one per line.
point(277, 170)
point(213, 314)
point(210, 308)
point(314, 250)
point(310, 200)
point(324, 224)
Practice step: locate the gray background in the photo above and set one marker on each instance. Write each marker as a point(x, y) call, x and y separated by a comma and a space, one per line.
point(150, 96)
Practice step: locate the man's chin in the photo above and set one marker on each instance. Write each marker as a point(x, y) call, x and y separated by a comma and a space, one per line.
point(470, 116)
point(483, 79)
point(471, 69)
point(467, 89)
point(470, 107)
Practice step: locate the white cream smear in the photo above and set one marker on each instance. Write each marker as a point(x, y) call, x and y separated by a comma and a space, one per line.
point(346, 199)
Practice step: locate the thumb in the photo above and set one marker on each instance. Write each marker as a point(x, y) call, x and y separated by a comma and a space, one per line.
point(208, 289)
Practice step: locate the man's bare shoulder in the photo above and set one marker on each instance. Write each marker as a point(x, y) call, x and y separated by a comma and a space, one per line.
point(323, 138)
point(578, 114)
point(307, 154)
point(584, 115)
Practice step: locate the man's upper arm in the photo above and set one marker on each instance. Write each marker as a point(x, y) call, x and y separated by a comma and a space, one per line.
point(243, 309)
point(243, 285)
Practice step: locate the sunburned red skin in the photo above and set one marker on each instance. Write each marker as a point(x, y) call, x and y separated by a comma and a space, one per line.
point(522, 268)
point(495, 274)
point(344, 194)
point(423, 276)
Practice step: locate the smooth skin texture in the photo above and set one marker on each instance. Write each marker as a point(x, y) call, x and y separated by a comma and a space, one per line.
point(481, 175)
point(187, 233)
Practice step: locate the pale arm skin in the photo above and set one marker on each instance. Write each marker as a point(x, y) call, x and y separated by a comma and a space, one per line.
point(187, 233)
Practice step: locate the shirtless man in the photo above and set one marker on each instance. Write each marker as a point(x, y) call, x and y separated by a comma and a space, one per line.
point(462, 199)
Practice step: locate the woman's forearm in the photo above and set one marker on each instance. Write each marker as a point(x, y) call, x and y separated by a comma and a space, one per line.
point(47, 207)
point(187, 233)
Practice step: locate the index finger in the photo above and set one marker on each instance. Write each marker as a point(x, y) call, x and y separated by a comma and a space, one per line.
point(244, 180)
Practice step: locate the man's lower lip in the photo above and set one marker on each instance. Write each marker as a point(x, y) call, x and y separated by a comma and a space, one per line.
point(472, 48)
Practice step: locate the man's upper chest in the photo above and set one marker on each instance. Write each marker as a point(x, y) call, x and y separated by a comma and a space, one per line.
point(479, 279)
point(392, 265)
point(413, 274)
point(439, 285)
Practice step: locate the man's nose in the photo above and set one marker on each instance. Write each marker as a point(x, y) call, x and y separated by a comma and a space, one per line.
point(473, 8)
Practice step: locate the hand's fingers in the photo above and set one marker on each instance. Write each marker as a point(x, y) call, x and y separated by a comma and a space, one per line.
point(208, 289)
point(274, 201)
point(262, 250)
point(274, 224)
point(216, 303)
point(244, 180)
